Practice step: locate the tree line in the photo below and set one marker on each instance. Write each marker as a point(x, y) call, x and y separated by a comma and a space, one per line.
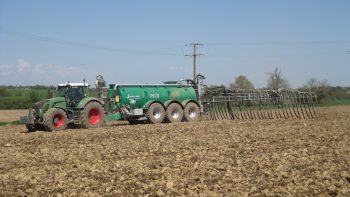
point(326, 94)
point(23, 97)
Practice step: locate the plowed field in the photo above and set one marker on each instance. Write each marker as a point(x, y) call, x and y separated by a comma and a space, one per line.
point(206, 158)
point(12, 115)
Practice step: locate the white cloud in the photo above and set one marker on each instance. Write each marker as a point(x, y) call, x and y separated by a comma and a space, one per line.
point(22, 65)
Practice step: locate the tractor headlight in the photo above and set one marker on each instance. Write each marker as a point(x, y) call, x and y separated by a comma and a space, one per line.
point(117, 99)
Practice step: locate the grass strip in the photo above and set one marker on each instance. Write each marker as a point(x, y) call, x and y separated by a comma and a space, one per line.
point(10, 123)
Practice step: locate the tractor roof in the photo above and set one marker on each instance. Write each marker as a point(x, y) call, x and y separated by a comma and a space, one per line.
point(73, 84)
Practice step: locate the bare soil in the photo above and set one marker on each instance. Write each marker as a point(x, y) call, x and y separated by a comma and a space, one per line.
point(208, 158)
point(12, 115)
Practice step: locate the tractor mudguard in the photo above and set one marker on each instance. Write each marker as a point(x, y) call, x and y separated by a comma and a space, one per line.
point(87, 100)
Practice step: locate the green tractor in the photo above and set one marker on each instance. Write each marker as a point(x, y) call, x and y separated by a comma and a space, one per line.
point(70, 107)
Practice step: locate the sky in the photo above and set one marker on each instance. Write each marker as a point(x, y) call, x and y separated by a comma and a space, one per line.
point(128, 41)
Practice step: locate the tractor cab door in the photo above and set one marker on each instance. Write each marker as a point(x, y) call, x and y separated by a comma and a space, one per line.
point(77, 93)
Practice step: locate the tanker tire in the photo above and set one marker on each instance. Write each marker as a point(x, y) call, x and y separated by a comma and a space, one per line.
point(55, 119)
point(92, 116)
point(155, 113)
point(174, 113)
point(192, 112)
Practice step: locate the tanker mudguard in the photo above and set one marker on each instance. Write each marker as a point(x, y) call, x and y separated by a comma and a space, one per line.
point(167, 103)
point(146, 105)
point(87, 100)
point(184, 103)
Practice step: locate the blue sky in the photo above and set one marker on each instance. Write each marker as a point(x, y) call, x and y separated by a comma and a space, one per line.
point(49, 42)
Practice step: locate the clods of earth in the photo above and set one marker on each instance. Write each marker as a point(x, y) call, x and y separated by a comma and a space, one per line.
point(291, 157)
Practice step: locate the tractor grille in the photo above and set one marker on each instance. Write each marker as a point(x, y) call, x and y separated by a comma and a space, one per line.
point(37, 106)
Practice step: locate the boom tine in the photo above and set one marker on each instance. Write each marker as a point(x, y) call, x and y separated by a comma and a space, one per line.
point(289, 101)
point(300, 100)
point(312, 110)
point(294, 106)
point(314, 102)
point(306, 105)
point(224, 111)
point(230, 109)
point(285, 114)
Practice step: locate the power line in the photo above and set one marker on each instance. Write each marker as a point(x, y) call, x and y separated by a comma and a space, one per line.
point(80, 44)
point(195, 55)
point(278, 43)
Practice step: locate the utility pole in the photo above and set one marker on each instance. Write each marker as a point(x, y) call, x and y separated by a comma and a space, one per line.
point(194, 55)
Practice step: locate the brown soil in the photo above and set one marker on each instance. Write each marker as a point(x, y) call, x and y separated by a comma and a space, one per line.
point(12, 115)
point(206, 158)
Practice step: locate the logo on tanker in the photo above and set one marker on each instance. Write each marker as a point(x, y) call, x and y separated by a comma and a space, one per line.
point(154, 96)
point(133, 98)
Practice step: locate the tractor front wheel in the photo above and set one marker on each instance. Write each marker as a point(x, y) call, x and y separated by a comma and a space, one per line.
point(92, 115)
point(55, 119)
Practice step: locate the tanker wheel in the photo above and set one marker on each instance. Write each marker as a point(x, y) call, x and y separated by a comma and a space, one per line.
point(92, 115)
point(155, 113)
point(55, 119)
point(192, 112)
point(174, 113)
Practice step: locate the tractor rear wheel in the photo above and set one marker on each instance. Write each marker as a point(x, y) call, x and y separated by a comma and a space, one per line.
point(55, 119)
point(155, 113)
point(174, 113)
point(192, 112)
point(92, 115)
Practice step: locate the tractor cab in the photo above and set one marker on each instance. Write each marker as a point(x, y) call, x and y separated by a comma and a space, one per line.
point(73, 92)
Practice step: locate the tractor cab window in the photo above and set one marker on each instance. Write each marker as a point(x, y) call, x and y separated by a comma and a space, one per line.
point(74, 93)
point(62, 91)
point(77, 93)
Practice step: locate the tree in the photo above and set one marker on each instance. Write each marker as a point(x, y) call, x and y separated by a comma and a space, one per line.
point(242, 82)
point(320, 88)
point(276, 80)
point(33, 96)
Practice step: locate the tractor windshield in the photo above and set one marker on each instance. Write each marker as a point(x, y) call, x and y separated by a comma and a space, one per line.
point(75, 92)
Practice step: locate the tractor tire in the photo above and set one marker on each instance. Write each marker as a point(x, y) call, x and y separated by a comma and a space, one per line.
point(192, 112)
point(92, 116)
point(174, 113)
point(155, 113)
point(55, 119)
